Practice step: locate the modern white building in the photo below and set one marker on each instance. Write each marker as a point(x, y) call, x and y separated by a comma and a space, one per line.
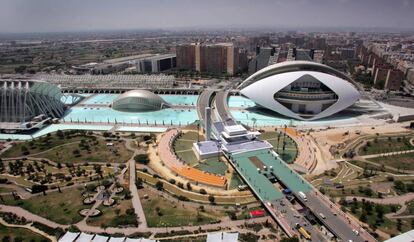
point(22, 100)
point(138, 101)
point(302, 90)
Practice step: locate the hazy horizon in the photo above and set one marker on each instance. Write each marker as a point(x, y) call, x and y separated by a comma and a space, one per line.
point(26, 16)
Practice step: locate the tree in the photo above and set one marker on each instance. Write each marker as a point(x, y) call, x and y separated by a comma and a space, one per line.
point(211, 198)
point(38, 188)
point(159, 185)
point(60, 134)
point(294, 239)
point(24, 150)
point(399, 224)
point(363, 217)
point(139, 183)
point(189, 186)
point(141, 158)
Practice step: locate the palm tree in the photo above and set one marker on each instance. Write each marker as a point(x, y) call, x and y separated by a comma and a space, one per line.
point(254, 122)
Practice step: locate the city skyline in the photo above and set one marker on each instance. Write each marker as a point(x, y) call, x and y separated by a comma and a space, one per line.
point(24, 16)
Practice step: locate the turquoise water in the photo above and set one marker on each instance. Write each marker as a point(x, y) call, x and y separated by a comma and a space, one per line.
point(101, 99)
point(247, 117)
point(70, 100)
point(108, 115)
point(262, 119)
point(107, 99)
point(240, 102)
point(181, 99)
point(55, 127)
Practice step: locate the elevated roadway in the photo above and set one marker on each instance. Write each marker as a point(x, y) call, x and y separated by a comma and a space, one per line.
point(203, 101)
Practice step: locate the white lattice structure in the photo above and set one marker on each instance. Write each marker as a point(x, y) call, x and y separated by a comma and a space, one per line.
point(21, 100)
point(109, 81)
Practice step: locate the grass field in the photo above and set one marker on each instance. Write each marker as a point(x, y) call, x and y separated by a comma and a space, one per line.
point(402, 161)
point(99, 152)
point(183, 147)
point(5, 189)
point(172, 213)
point(291, 150)
point(114, 216)
point(59, 207)
point(14, 234)
point(385, 145)
point(235, 181)
point(212, 165)
point(41, 144)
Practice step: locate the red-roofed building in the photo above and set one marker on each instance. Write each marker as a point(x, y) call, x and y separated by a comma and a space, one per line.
point(257, 213)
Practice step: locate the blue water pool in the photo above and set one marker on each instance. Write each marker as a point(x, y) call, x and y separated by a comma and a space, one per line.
point(108, 115)
point(107, 99)
point(272, 119)
point(181, 99)
point(240, 102)
point(101, 99)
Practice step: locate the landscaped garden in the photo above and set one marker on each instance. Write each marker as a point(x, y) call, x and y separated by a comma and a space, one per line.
point(72, 147)
point(161, 212)
point(374, 216)
point(400, 162)
point(19, 234)
point(61, 207)
point(120, 214)
point(385, 145)
point(28, 172)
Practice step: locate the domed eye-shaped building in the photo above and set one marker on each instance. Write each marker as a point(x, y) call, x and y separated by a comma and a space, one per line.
point(300, 89)
point(21, 100)
point(139, 101)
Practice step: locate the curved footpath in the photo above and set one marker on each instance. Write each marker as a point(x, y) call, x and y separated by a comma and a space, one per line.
point(129, 230)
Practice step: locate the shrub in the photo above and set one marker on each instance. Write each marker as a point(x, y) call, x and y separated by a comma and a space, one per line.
point(203, 191)
point(159, 185)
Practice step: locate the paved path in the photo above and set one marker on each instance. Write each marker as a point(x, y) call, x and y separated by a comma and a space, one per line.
point(136, 202)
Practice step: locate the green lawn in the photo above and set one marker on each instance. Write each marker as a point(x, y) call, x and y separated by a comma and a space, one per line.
point(385, 145)
point(183, 147)
point(99, 152)
point(172, 213)
point(188, 157)
point(59, 207)
point(235, 181)
point(212, 165)
point(41, 144)
point(110, 217)
point(369, 166)
point(402, 162)
point(16, 233)
point(5, 189)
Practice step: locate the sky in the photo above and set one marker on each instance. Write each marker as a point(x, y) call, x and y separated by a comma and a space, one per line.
point(20, 16)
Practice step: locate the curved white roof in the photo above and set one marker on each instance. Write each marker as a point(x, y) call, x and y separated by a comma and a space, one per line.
point(262, 92)
point(290, 66)
point(138, 100)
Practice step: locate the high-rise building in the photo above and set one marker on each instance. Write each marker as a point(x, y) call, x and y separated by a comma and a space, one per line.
point(185, 57)
point(214, 58)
